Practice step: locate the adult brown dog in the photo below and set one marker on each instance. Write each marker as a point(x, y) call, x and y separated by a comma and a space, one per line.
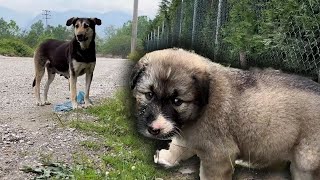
point(222, 114)
point(69, 59)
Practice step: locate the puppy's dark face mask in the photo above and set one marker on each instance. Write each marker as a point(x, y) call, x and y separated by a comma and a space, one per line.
point(167, 96)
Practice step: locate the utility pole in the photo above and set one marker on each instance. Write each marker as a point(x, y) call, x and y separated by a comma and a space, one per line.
point(134, 26)
point(46, 14)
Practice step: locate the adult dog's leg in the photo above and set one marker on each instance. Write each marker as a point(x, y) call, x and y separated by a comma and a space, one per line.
point(177, 151)
point(39, 72)
point(73, 90)
point(89, 76)
point(51, 75)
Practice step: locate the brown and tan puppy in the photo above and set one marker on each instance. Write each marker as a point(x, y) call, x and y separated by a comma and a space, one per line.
point(223, 114)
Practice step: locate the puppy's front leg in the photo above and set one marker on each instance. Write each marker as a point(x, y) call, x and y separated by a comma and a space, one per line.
point(73, 90)
point(177, 151)
point(216, 167)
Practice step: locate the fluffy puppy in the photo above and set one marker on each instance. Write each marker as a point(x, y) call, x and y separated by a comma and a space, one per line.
point(222, 114)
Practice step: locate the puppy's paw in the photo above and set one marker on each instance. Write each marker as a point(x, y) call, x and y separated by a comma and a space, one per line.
point(163, 157)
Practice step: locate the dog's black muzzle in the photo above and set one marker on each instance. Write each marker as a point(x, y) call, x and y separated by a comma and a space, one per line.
point(81, 38)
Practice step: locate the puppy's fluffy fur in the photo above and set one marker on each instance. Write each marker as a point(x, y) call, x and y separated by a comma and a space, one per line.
point(222, 114)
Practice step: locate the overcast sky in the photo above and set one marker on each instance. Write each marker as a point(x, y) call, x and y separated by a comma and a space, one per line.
point(146, 7)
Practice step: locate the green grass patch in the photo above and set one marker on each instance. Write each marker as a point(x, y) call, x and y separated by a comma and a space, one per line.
point(130, 155)
point(91, 145)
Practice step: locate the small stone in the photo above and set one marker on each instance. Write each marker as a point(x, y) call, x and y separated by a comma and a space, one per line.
point(30, 143)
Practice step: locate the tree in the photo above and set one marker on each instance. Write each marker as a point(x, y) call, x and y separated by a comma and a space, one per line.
point(118, 40)
point(241, 31)
point(8, 29)
point(35, 33)
point(110, 31)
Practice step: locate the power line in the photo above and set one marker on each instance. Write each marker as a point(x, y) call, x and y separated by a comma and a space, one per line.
point(47, 15)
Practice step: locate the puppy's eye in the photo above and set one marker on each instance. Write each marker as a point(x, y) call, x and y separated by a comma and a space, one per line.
point(85, 25)
point(77, 25)
point(177, 101)
point(149, 95)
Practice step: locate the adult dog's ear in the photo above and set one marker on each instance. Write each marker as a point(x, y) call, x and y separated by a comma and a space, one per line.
point(136, 74)
point(202, 86)
point(71, 21)
point(96, 21)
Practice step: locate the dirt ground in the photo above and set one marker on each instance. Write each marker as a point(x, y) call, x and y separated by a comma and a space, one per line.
point(29, 132)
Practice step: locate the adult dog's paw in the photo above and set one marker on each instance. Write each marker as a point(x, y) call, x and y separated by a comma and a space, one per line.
point(76, 106)
point(39, 103)
point(47, 103)
point(87, 105)
point(164, 158)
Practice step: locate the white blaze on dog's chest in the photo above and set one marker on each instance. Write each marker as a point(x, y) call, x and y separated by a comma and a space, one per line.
point(163, 124)
point(80, 67)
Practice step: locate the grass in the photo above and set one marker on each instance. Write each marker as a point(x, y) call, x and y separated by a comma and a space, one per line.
point(122, 154)
point(129, 155)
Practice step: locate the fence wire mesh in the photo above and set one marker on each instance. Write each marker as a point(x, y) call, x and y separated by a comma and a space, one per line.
point(284, 34)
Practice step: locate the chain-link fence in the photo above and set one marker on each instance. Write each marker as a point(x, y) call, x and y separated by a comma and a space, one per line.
point(284, 34)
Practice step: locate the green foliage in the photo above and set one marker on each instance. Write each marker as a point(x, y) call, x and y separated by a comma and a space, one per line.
point(241, 31)
point(287, 27)
point(118, 41)
point(129, 155)
point(118, 45)
point(38, 33)
point(14, 47)
point(13, 42)
point(50, 171)
point(8, 29)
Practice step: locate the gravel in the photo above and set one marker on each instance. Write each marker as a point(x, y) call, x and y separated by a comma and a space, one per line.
point(29, 132)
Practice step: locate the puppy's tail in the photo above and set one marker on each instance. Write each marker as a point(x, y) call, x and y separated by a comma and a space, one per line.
point(34, 82)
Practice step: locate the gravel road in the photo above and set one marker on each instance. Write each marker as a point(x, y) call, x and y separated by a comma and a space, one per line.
point(28, 132)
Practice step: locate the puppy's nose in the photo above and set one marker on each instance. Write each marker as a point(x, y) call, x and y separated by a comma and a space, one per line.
point(153, 131)
point(80, 37)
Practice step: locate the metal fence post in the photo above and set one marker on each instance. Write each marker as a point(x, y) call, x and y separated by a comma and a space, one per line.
point(155, 39)
point(180, 22)
point(318, 75)
point(216, 42)
point(158, 37)
point(151, 41)
point(195, 6)
point(147, 42)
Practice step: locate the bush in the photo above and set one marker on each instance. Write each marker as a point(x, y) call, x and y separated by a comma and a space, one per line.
point(15, 47)
point(118, 45)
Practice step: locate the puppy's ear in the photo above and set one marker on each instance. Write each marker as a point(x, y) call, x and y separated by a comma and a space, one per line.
point(202, 85)
point(136, 74)
point(71, 21)
point(96, 21)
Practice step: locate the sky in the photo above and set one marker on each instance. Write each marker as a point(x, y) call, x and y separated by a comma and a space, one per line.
point(146, 7)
